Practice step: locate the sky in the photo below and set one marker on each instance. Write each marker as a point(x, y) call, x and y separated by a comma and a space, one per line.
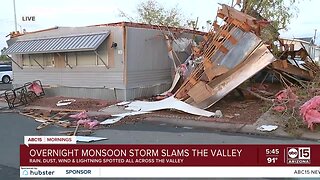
point(50, 13)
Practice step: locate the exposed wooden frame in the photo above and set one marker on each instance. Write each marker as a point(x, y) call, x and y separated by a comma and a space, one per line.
point(36, 62)
point(99, 57)
point(65, 60)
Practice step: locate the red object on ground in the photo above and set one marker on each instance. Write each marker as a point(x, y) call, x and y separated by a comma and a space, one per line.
point(36, 88)
point(91, 124)
point(285, 97)
point(81, 115)
point(88, 123)
point(279, 108)
point(310, 111)
point(83, 121)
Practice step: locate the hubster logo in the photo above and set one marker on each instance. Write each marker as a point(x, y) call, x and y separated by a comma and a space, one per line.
point(34, 172)
point(298, 155)
point(25, 173)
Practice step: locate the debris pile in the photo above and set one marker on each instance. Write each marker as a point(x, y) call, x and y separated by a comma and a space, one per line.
point(67, 119)
point(230, 54)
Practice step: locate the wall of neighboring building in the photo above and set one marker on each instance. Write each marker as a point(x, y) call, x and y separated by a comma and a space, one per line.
point(317, 54)
point(313, 50)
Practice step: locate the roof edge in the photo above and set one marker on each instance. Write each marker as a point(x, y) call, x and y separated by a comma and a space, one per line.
point(150, 26)
point(65, 36)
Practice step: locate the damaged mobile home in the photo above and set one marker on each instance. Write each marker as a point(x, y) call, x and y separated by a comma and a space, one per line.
point(119, 61)
point(124, 61)
point(230, 54)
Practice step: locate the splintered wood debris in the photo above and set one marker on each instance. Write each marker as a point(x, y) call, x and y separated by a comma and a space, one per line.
point(66, 118)
point(52, 117)
point(230, 54)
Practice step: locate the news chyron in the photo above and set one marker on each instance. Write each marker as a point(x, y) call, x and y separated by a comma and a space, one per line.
point(71, 160)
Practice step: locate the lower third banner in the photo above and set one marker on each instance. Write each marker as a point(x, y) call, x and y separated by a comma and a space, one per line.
point(76, 160)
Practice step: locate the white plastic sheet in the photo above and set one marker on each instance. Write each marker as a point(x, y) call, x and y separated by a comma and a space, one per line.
point(267, 128)
point(169, 103)
point(89, 139)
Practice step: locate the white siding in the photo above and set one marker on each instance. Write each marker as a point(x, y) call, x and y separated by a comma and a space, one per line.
point(147, 58)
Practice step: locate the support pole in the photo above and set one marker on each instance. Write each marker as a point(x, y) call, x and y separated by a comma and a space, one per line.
point(15, 16)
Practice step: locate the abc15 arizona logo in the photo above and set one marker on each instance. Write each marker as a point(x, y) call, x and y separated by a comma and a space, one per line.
point(298, 155)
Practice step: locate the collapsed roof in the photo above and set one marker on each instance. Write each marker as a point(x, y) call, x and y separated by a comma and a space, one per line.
point(230, 54)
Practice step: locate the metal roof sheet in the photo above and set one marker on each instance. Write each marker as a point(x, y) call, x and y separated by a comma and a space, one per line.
point(85, 42)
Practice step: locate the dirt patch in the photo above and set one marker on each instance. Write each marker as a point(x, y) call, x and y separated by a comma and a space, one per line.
point(79, 104)
point(240, 111)
point(234, 107)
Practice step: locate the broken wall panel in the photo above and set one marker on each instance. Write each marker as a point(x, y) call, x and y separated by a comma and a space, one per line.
point(225, 83)
point(246, 44)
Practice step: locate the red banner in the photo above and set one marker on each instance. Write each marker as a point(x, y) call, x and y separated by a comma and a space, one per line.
point(169, 155)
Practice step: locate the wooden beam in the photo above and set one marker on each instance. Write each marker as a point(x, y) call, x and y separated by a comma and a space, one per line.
point(105, 64)
point(228, 36)
point(36, 62)
point(221, 47)
point(291, 69)
point(14, 62)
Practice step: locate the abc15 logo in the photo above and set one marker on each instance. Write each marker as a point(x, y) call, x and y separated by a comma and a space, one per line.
point(301, 153)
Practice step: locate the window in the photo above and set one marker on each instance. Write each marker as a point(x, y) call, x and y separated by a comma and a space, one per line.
point(81, 59)
point(32, 60)
point(35, 59)
point(102, 53)
point(5, 68)
point(86, 58)
point(25, 60)
point(48, 60)
point(71, 59)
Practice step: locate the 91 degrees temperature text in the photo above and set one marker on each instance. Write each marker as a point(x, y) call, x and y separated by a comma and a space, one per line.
point(272, 160)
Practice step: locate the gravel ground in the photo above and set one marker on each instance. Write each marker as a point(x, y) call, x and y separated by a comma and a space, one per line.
point(79, 104)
